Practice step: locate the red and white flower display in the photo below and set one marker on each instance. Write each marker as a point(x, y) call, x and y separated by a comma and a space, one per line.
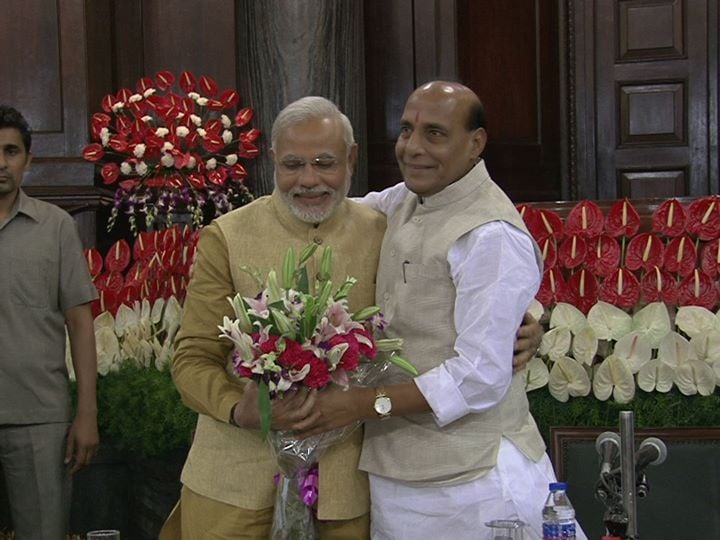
point(171, 150)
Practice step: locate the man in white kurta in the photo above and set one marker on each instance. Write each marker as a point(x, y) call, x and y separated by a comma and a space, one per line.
point(456, 446)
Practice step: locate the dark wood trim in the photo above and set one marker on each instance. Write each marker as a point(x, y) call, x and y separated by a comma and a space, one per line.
point(72, 199)
point(435, 40)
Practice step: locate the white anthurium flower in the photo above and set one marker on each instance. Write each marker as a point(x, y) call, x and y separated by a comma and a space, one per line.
point(107, 348)
point(535, 308)
point(707, 346)
point(156, 312)
point(171, 317)
point(227, 136)
point(104, 319)
point(146, 353)
point(536, 374)
point(567, 316)
point(608, 321)
point(556, 343)
point(125, 318)
point(656, 375)
point(675, 350)
point(716, 369)
point(696, 320)
point(232, 159)
point(613, 377)
point(653, 321)
point(568, 378)
point(695, 377)
point(585, 346)
point(634, 349)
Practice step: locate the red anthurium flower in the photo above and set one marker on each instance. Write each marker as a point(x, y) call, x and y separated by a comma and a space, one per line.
point(118, 257)
point(250, 135)
point(124, 95)
point(572, 251)
point(118, 143)
point(94, 261)
point(99, 121)
point(552, 288)
point(621, 289)
point(698, 289)
point(603, 255)
point(215, 105)
point(164, 79)
point(144, 84)
point(218, 176)
point(128, 184)
point(187, 81)
point(214, 126)
point(144, 246)
point(158, 102)
point(107, 301)
point(582, 291)
point(139, 108)
point(110, 281)
point(110, 172)
point(208, 86)
point(548, 248)
point(238, 172)
point(243, 116)
point(659, 285)
point(526, 211)
point(680, 256)
point(710, 258)
point(704, 218)
point(197, 180)
point(213, 142)
point(129, 294)
point(543, 223)
point(644, 251)
point(136, 274)
point(622, 219)
point(124, 125)
point(669, 218)
point(230, 98)
point(585, 219)
point(93, 152)
point(107, 102)
point(248, 150)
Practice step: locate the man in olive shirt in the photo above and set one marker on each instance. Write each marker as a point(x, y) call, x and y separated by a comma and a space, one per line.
point(45, 286)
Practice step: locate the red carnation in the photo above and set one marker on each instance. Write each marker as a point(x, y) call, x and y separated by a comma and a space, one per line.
point(351, 357)
point(319, 375)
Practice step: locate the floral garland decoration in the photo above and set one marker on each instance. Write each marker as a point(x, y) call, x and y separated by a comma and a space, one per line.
point(172, 151)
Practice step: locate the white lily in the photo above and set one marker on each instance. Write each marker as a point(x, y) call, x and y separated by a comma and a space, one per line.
point(568, 378)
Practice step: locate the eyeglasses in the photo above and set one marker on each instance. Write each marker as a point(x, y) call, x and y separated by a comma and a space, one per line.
point(321, 164)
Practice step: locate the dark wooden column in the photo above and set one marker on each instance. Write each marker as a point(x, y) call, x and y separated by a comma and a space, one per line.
point(287, 50)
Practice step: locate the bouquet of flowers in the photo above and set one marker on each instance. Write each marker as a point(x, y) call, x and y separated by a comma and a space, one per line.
point(296, 333)
point(172, 151)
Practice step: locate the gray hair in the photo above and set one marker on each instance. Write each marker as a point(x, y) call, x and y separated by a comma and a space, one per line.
point(310, 108)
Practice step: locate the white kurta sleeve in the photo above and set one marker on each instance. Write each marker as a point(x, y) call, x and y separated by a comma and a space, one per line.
point(496, 277)
point(385, 201)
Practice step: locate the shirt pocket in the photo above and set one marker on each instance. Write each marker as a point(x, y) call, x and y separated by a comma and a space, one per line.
point(29, 283)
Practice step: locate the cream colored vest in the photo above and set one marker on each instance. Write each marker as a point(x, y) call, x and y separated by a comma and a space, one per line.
point(233, 465)
point(417, 294)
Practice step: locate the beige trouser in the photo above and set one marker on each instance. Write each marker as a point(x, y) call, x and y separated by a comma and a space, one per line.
point(198, 518)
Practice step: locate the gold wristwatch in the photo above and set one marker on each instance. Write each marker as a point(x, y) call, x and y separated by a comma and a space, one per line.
point(382, 405)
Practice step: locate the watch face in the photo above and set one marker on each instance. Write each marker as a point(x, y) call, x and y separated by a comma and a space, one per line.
point(383, 405)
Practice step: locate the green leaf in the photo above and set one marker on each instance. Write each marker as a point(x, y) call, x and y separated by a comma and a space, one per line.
point(265, 409)
point(404, 365)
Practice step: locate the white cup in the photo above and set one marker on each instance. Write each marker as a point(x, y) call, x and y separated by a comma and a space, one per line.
point(105, 534)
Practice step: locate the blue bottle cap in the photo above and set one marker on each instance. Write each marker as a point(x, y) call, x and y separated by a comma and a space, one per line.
point(554, 486)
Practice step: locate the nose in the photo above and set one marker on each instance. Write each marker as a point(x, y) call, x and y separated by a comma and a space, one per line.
point(309, 177)
point(413, 143)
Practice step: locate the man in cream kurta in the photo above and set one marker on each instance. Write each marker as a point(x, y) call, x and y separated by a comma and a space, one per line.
point(228, 489)
point(456, 446)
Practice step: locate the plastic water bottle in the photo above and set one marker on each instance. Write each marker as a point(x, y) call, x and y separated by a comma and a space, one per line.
point(558, 514)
